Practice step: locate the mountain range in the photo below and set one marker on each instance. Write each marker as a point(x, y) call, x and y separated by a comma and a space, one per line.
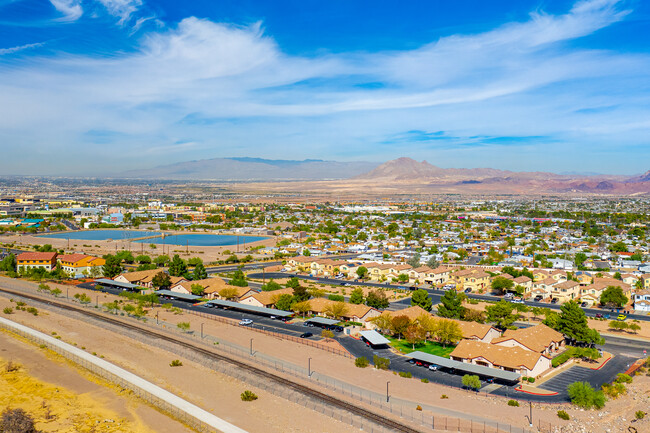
point(402, 175)
point(253, 169)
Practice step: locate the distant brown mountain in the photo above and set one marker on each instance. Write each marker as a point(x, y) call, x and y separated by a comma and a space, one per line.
point(422, 176)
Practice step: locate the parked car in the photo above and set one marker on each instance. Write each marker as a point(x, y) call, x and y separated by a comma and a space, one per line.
point(246, 322)
point(538, 298)
point(433, 367)
point(517, 301)
point(554, 300)
point(508, 295)
point(621, 317)
point(599, 315)
point(584, 304)
point(306, 335)
point(338, 329)
point(468, 290)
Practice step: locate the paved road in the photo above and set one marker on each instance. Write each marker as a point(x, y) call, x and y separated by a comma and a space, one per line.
point(434, 292)
point(625, 351)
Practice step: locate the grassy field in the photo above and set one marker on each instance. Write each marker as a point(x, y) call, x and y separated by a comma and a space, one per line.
point(432, 348)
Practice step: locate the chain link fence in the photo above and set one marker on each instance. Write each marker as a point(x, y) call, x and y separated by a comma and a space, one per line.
point(405, 409)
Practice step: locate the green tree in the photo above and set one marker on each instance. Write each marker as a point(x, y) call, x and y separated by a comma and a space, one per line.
point(422, 299)
point(618, 247)
point(415, 334)
point(399, 325)
point(573, 324)
point(161, 280)
point(161, 261)
point(293, 282)
point(304, 307)
point(125, 256)
point(362, 271)
point(8, 264)
point(414, 261)
point(197, 289)
point(199, 272)
point(471, 381)
point(448, 331)
point(271, 286)
point(300, 294)
point(501, 314)
point(583, 395)
point(183, 326)
point(613, 296)
point(336, 310)
point(377, 299)
point(451, 305)
point(143, 259)
point(502, 284)
point(177, 267)
point(356, 297)
point(239, 279)
point(402, 278)
point(284, 302)
point(194, 261)
point(113, 267)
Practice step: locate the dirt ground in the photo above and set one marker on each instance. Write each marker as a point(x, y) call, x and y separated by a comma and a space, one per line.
point(62, 398)
point(333, 365)
point(99, 248)
point(210, 390)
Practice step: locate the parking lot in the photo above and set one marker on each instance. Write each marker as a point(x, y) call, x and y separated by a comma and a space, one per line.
point(560, 382)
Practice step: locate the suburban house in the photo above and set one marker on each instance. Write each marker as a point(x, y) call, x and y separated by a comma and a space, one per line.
point(355, 312)
point(478, 331)
point(524, 282)
point(437, 276)
point(565, 291)
point(591, 293)
point(516, 359)
point(145, 278)
point(539, 338)
point(646, 280)
point(211, 287)
point(474, 279)
point(81, 264)
point(641, 300)
point(26, 261)
point(265, 299)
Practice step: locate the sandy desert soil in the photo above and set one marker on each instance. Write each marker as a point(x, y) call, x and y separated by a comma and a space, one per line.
point(61, 398)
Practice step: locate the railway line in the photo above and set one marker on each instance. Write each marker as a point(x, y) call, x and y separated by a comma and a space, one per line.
point(297, 387)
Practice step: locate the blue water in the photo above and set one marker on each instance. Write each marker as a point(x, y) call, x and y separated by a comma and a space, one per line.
point(102, 235)
point(203, 240)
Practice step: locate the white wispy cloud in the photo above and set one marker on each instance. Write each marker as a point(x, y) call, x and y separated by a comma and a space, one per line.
point(232, 87)
point(71, 9)
point(12, 50)
point(121, 8)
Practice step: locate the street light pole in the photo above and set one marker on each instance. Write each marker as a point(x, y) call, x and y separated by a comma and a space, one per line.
point(387, 396)
point(201, 330)
point(156, 317)
point(530, 417)
point(309, 367)
point(251, 347)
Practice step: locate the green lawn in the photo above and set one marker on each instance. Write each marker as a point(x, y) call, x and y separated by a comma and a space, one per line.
point(429, 347)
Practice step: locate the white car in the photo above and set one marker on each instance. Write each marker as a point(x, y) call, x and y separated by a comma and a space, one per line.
point(246, 322)
point(433, 367)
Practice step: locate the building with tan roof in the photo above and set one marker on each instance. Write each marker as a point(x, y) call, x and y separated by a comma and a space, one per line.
point(265, 299)
point(478, 331)
point(475, 279)
point(211, 287)
point(355, 312)
point(515, 359)
point(565, 291)
point(539, 338)
point(145, 278)
point(591, 293)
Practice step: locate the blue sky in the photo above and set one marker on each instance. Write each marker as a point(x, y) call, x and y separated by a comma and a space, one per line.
point(93, 87)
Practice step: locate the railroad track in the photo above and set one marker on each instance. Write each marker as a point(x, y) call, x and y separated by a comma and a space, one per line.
point(332, 401)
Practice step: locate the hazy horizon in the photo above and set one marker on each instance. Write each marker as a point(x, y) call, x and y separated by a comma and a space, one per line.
point(100, 87)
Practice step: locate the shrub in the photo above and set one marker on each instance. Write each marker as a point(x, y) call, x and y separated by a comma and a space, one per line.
point(406, 374)
point(11, 367)
point(176, 363)
point(418, 407)
point(471, 381)
point(563, 415)
point(443, 396)
point(613, 390)
point(248, 396)
point(425, 380)
point(33, 311)
point(8, 310)
point(381, 363)
point(362, 362)
point(583, 395)
point(514, 403)
point(184, 326)
point(639, 414)
point(327, 333)
point(623, 378)
point(17, 420)
point(531, 380)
